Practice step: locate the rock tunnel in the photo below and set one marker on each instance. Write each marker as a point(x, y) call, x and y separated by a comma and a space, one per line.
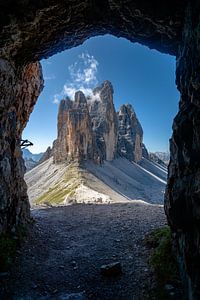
point(33, 30)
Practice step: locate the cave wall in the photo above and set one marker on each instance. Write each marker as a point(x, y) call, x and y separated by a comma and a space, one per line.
point(19, 90)
point(182, 199)
point(31, 30)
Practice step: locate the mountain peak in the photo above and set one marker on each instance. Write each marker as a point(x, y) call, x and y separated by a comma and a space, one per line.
point(80, 99)
point(130, 134)
point(89, 129)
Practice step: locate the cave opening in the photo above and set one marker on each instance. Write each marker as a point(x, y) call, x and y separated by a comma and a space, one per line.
point(169, 27)
point(132, 193)
point(143, 78)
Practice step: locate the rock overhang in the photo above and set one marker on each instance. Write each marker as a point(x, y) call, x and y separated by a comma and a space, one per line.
point(26, 35)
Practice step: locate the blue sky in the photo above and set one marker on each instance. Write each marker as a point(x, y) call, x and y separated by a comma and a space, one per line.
point(140, 76)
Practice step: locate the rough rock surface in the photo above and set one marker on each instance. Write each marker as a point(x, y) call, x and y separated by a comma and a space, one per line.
point(112, 269)
point(153, 157)
point(19, 93)
point(130, 134)
point(33, 30)
point(75, 136)
point(182, 203)
point(67, 246)
point(164, 156)
point(89, 129)
point(28, 154)
point(30, 159)
point(30, 163)
point(104, 120)
point(145, 152)
point(46, 155)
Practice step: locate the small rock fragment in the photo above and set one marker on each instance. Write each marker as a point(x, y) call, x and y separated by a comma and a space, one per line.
point(61, 267)
point(111, 269)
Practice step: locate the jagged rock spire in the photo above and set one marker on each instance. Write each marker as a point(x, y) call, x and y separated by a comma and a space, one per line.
point(91, 129)
point(130, 134)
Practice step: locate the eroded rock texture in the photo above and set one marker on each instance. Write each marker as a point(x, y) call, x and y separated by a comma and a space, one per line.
point(182, 203)
point(130, 134)
point(145, 152)
point(104, 120)
point(87, 128)
point(75, 136)
point(47, 154)
point(19, 92)
point(90, 129)
point(32, 30)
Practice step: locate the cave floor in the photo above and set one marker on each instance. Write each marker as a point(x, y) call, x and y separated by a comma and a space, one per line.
point(66, 246)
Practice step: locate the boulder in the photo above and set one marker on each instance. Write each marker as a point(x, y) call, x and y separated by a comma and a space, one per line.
point(112, 269)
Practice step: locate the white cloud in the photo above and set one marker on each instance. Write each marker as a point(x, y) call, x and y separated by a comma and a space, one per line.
point(56, 99)
point(93, 97)
point(83, 77)
point(69, 91)
point(84, 70)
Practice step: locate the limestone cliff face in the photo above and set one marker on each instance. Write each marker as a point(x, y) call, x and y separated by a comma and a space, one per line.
point(15, 107)
point(91, 129)
point(47, 154)
point(130, 134)
point(104, 121)
point(182, 197)
point(145, 152)
point(75, 137)
point(169, 26)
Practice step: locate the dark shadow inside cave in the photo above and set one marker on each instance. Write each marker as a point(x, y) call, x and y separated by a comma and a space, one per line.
point(31, 31)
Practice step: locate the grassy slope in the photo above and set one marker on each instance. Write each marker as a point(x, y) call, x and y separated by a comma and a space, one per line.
point(65, 188)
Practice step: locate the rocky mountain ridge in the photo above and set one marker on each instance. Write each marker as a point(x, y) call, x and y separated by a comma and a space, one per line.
point(30, 159)
point(164, 157)
point(89, 128)
point(98, 156)
point(34, 156)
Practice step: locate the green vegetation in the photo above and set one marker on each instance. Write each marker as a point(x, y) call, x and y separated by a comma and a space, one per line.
point(8, 246)
point(7, 251)
point(162, 259)
point(163, 262)
point(65, 188)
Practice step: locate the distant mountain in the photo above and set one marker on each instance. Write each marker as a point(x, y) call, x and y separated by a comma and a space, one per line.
point(164, 156)
point(35, 157)
point(30, 164)
point(31, 160)
point(89, 128)
point(97, 156)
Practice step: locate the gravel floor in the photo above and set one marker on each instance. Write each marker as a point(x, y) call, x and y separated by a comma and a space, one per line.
point(66, 247)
